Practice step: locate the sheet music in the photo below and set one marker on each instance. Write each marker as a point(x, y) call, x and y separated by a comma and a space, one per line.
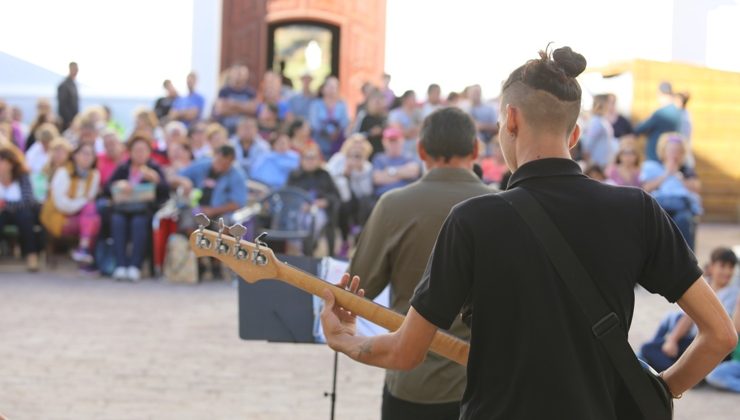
point(331, 271)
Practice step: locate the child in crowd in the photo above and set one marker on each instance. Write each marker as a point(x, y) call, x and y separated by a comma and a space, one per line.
point(727, 375)
point(677, 331)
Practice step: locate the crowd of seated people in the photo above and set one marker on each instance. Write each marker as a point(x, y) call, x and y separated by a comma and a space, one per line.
point(82, 178)
point(664, 167)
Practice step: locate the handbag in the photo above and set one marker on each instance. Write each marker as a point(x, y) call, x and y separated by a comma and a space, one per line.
point(51, 218)
point(647, 388)
point(139, 201)
point(180, 263)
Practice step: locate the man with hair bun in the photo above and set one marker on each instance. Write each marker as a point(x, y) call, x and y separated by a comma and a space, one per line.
point(533, 353)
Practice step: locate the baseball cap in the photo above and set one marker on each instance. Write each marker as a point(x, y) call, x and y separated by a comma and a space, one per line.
point(392, 133)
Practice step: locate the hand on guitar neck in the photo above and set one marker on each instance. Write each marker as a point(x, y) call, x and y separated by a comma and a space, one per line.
point(402, 349)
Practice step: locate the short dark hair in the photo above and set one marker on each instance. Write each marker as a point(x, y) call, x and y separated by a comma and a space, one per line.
point(723, 255)
point(226, 151)
point(448, 132)
point(407, 94)
point(432, 87)
point(79, 148)
point(139, 137)
point(295, 126)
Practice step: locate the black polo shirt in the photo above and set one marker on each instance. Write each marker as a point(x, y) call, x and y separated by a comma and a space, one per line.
point(532, 352)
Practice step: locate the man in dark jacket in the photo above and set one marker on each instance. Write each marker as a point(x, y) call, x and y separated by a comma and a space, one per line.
point(67, 98)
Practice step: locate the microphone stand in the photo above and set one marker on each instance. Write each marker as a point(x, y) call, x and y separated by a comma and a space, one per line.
point(333, 393)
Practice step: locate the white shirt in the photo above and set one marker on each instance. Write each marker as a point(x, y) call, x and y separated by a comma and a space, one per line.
point(11, 192)
point(60, 187)
point(36, 157)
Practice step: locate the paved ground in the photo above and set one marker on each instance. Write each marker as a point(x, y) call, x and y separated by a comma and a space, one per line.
point(77, 347)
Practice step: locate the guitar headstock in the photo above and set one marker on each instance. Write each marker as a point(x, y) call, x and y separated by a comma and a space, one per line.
point(251, 261)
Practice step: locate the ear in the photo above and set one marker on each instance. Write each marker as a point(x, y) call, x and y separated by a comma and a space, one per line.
point(476, 149)
point(422, 153)
point(512, 119)
point(574, 136)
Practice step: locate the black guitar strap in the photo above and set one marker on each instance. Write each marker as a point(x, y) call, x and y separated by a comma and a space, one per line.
point(606, 326)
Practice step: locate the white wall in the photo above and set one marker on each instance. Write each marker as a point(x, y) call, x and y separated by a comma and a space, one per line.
point(206, 47)
point(478, 41)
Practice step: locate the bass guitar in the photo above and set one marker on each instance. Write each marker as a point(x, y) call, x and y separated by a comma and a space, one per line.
point(255, 261)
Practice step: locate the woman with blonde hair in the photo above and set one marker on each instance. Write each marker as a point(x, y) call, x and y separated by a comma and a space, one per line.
point(352, 173)
point(625, 170)
point(70, 208)
point(673, 184)
point(216, 135)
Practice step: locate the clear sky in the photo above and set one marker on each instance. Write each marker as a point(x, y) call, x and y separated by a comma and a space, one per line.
point(122, 46)
point(131, 46)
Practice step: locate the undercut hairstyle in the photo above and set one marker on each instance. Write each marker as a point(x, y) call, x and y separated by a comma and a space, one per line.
point(448, 132)
point(546, 91)
point(723, 255)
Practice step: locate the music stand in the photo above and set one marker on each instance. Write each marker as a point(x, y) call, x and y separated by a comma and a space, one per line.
point(277, 312)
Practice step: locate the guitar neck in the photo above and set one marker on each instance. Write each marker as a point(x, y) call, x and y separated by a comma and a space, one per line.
point(253, 263)
point(443, 344)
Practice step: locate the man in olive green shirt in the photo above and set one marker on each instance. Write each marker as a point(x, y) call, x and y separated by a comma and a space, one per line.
point(394, 248)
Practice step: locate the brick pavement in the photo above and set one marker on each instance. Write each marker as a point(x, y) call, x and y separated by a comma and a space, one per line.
point(79, 347)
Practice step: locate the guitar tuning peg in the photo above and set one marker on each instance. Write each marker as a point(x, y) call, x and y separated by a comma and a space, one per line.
point(202, 221)
point(257, 256)
point(238, 231)
point(221, 247)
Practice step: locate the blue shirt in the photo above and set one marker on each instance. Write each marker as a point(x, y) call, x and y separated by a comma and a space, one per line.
point(381, 162)
point(486, 114)
point(300, 105)
point(230, 186)
point(664, 120)
point(273, 168)
point(247, 158)
point(598, 141)
point(193, 100)
point(672, 186)
point(237, 95)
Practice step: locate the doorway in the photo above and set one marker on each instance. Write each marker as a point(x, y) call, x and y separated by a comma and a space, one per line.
point(299, 47)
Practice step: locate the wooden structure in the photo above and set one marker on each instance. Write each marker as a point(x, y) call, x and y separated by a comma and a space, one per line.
point(248, 26)
point(715, 114)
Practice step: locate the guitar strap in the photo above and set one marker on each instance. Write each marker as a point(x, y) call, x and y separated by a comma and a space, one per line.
point(606, 327)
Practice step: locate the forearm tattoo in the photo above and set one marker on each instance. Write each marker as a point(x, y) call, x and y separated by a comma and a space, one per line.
point(365, 349)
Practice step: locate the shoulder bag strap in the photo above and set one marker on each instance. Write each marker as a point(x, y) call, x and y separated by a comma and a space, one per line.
point(605, 324)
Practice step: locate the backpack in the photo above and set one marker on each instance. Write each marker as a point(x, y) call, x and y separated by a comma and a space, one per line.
point(180, 263)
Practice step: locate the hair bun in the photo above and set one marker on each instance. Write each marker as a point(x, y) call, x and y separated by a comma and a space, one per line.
point(570, 61)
